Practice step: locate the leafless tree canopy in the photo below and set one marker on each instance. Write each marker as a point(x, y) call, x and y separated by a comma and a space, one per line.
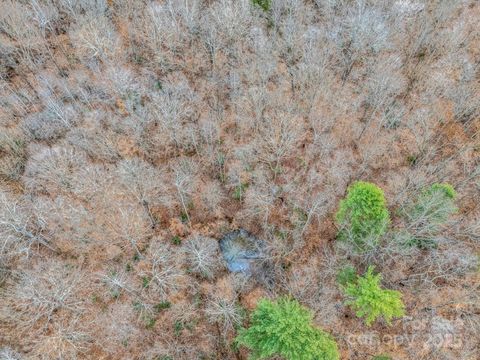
point(135, 134)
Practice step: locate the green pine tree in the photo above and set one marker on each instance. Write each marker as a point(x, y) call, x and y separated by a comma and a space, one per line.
point(363, 215)
point(371, 302)
point(284, 328)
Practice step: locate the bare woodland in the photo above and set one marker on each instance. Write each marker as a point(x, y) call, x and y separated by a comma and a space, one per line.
point(134, 134)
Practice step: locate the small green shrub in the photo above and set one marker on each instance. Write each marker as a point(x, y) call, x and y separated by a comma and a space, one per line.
point(150, 322)
point(239, 191)
point(178, 327)
point(346, 275)
point(381, 357)
point(371, 302)
point(184, 217)
point(265, 5)
point(284, 328)
point(163, 305)
point(426, 215)
point(145, 282)
point(412, 160)
point(363, 215)
point(176, 240)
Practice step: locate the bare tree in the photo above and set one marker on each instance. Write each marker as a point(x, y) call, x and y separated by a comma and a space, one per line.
point(135, 134)
point(203, 256)
point(168, 28)
point(426, 215)
point(143, 182)
point(174, 108)
point(261, 197)
point(118, 282)
point(95, 38)
point(75, 8)
point(8, 354)
point(18, 26)
point(260, 67)
point(447, 264)
point(45, 14)
point(292, 19)
point(53, 170)
point(183, 180)
point(40, 294)
point(66, 341)
point(315, 207)
point(20, 228)
point(212, 196)
point(466, 103)
point(224, 312)
point(97, 145)
point(51, 123)
point(131, 226)
point(278, 135)
point(71, 227)
point(164, 270)
point(232, 20)
point(382, 88)
point(116, 328)
point(311, 78)
point(361, 30)
point(13, 150)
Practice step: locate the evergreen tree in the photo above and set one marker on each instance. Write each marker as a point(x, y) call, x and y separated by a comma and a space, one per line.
point(371, 302)
point(363, 215)
point(284, 328)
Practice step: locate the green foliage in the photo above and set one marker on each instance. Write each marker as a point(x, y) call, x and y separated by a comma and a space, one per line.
point(220, 164)
point(370, 301)
point(184, 217)
point(145, 282)
point(144, 314)
point(426, 215)
point(239, 191)
point(265, 5)
point(346, 275)
point(436, 203)
point(381, 357)
point(363, 215)
point(178, 327)
point(301, 216)
point(412, 160)
point(162, 306)
point(150, 322)
point(176, 240)
point(284, 328)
